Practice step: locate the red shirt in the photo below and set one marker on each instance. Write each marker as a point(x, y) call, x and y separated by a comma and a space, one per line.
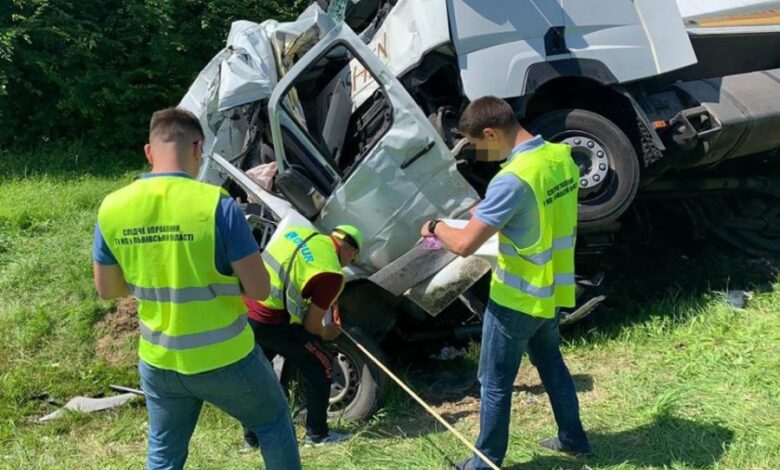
point(322, 290)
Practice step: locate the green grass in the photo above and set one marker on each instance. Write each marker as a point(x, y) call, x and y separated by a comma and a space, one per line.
point(669, 376)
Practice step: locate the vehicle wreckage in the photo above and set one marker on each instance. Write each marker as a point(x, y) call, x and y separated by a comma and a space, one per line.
point(319, 122)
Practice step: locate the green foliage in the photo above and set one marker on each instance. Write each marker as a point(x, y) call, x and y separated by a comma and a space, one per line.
point(96, 69)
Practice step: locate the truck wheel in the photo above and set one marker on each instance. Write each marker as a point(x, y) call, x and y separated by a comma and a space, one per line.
point(358, 387)
point(609, 167)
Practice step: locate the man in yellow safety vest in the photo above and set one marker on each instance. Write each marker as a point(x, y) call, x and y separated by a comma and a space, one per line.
point(306, 280)
point(532, 204)
point(185, 251)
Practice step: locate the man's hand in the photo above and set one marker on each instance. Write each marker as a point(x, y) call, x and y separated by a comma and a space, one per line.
point(463, 241)
point(330, 332)
point(336, 313)
point(424, 232)
point(251, 271)
point(313, 324)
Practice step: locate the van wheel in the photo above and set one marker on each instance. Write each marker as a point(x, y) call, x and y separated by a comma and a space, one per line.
point(609, 167)
point(358, 387)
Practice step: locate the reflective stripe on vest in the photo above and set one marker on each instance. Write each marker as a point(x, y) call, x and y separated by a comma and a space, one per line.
point(195, 340)
point(162, 231)
point(542, 292)
point(560, 243)
point(314, 254)
point(539, 278)
point(185, 294)
point(295, 303)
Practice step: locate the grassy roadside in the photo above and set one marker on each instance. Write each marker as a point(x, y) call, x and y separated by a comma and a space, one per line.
point(667, 378)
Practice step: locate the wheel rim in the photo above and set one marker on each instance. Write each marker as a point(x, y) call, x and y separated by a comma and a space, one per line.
point(345, 385)
point(594, 160)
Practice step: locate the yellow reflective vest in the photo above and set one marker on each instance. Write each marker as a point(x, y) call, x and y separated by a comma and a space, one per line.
point(162, 231)
point(292, 260)
point(539, 278)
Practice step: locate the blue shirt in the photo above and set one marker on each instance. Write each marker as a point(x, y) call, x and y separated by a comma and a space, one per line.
point(234, 239)
point(510, 204)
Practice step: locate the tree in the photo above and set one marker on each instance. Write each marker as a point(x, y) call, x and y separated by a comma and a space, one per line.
point(95, 70)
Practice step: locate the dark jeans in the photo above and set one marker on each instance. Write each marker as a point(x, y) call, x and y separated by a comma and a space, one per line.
point(506, 335)
point(306, 353)
point(247, 390)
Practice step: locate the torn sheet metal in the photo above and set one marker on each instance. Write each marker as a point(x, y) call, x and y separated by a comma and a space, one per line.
point(248, 74)
point(243, 73)
point(412, 268)
point(438, 291)
point(90, 405)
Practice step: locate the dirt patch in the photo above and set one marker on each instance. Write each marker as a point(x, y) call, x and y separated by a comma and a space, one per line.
point(117, 335)
point(455, 395)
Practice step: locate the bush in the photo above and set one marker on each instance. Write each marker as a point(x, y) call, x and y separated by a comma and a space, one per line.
point(94, 70)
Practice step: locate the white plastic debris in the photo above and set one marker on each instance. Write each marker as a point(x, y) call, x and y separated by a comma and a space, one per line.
point(738, 298)
point(449, 353)
point(89, 405)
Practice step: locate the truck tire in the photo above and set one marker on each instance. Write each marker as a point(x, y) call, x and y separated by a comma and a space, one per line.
point(609, 166)
point(359, 386)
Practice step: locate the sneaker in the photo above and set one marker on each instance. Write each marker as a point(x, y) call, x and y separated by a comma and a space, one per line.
point(330, 438)
point(554, 443)
point(249, 448)
point(463, 465)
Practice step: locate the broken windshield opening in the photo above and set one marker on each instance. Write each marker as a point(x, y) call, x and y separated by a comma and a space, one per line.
point(320, 104)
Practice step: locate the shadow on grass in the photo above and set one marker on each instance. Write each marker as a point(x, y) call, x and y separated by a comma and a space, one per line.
point(667, 442)
point(670, 278)
point(440, 387)
point(664, 443)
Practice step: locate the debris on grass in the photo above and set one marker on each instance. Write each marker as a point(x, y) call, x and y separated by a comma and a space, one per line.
point(449, 353)
point(90, 405)
point(738, 298)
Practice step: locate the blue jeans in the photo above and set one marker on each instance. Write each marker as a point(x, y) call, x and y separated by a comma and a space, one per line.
point(247, 390)
point(506, 335)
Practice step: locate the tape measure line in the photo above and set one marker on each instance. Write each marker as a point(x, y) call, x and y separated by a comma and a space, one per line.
point(422, 403)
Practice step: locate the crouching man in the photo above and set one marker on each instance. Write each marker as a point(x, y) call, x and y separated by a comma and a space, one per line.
point(306, 280)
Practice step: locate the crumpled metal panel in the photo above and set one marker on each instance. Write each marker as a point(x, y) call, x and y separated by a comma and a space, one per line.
point(248, 74)
point(245, 72)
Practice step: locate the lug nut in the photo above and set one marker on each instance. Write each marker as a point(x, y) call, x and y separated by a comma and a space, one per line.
point(577, 141)
point(584, 183)
point(591, 144)
point(602, 166)
point(596, 178)
point(600, 154)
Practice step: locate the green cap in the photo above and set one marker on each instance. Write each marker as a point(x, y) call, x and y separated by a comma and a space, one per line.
point(353, 233)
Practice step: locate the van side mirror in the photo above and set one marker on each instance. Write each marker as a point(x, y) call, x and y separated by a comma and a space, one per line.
point(298, 189)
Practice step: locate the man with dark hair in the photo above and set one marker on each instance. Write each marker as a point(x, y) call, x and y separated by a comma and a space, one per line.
point(185, 251)
point(173, 125)
point(532, 204)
